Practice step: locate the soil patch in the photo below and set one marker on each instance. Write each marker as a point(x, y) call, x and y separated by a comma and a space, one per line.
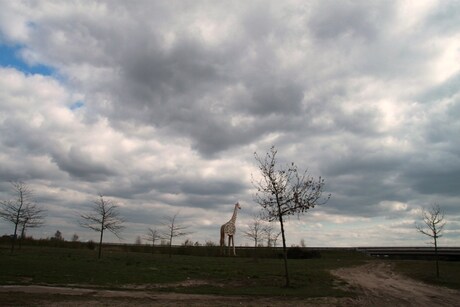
point(377, 284)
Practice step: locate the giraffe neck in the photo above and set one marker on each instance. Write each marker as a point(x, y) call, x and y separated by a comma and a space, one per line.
point(235, 212)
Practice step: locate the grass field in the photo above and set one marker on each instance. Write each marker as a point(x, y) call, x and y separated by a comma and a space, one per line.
point(247, 276)
point(206, 275)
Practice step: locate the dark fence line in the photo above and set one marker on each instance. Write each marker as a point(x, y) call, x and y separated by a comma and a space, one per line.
point(410, 253)
point(413, 253)
point(191, 250)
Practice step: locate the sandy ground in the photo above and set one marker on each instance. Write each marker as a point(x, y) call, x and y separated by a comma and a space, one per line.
point(375, 285)
point(378, 285)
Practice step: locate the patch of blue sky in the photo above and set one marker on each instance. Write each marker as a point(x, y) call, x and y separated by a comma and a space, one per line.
point(10, 57)
point(77, 105)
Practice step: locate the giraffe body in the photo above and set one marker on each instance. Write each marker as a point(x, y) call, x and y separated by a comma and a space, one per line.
point(229, 229)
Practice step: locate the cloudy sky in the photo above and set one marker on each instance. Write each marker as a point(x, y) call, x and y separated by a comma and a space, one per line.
point(160, 106)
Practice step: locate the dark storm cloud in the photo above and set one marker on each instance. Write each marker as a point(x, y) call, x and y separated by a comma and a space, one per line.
point(437, 182)
point(183, 87)
point(81, 165)
point(276, 99)
point(359, 19)
point(16, 133)
point(158, 184)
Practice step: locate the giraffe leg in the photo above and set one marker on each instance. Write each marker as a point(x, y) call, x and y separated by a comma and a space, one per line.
point(230, 238)
point(222, 243)
point(222, 240)
point(223, 246)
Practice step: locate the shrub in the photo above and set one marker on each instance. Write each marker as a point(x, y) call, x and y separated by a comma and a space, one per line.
point(301, 253)
point(91, 245)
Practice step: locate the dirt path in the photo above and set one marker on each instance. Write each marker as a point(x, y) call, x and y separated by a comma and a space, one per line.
point(378, 285)
point(65, 296)
point(374, 283)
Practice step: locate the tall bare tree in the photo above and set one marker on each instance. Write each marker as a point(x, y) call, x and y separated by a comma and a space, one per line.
point(22, 211)
point(105, 216)
point(433, 218)
point(284, 191)
point(173, 230)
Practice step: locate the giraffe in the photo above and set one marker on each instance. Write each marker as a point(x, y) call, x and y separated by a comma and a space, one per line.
point(229, 230)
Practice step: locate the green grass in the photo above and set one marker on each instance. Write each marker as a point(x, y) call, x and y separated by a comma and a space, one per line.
point(221, 275)
point(449, 272)
point(225, 275)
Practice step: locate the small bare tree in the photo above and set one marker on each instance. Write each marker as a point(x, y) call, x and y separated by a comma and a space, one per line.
point(271, 235)
point(58, 236)
point(75, 238)
point(22, 212)
point(209, 243)
point(173, 230)
point(284, 191)
point(433, 218)
point(105, 216)
point(152, 235)
point(302, 243)
point(255, 230)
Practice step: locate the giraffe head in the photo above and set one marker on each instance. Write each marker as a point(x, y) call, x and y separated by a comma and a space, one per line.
point(238, 205)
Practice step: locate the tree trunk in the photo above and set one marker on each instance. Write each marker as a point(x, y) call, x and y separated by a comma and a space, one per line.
point(13, 241)
point(100, 244)
point(284, 251)
point(23, 232)
point(21, 201)
point(436, 256)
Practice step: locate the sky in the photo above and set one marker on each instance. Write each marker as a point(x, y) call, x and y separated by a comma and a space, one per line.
point(160, 106)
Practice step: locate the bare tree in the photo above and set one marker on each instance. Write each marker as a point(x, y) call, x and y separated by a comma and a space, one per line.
point(188, 242)
point(22, 212)
point(75, 238)
point(255, 230)
point(173, 230)
point(433, 218)
point(105, 216)
point(210, 243)
point(271, 235)
point(284, 191)
point(302, 243)
point(33, 218)
point(152, 235)
point(58, 236)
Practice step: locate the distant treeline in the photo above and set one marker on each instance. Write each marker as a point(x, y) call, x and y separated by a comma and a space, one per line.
point(191, 250)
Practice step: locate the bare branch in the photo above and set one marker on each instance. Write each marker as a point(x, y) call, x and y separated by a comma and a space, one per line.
point(255, 230)
point(22, 211)
point(152, 235)
point(173, 230)
point(105, 216)
point(433, 219)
